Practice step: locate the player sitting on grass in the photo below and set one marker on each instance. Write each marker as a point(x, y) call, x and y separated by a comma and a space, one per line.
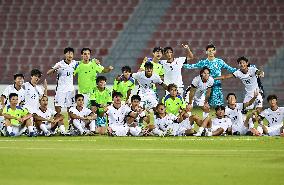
point(200, 91)
point(100, 98)
point(146, 80)
point(169, 124)
point(234, 112)
point(135, 120)
point(47, 120)
point(124, 83)
point(82, 118)
point(175, 105)
point(17, 119)
point(215, 126)
point(274, 115)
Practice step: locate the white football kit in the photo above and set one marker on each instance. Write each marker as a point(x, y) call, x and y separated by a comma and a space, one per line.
point(11, 89)
point(81, 124)
point(275, 120)
point(32, 95)
point(48, 114)
point(249, 80)
point(173, 72)
point(116, 119)
point(65, 93)
point(223, 123)
point(145, 89)
point(135, 131)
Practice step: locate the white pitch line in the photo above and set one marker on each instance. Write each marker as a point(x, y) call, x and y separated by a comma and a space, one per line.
point(139, 149)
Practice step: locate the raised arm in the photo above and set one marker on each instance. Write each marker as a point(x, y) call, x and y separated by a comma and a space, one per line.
point(223, 77)
point(197, 65)
point(189, 54)
point(229, 68)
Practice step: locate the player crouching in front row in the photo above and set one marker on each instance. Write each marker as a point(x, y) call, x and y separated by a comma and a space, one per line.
point(47, 120)
point(17, 119)
point(82, 118)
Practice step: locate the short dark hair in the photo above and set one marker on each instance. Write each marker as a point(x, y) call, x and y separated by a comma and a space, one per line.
point(210, 46)
point(148, 65)
point(168, 48)
point(79, 96)
point(85, 49)
point(242, 58)
point(126, 69)
point(220, 107)
point(101, 78)
point(115, 93)
point(18, 75)
point(12, 95)
point(68, 49)
point(231, 94)
point(203, 69)
point(156, 49)
point(135, 97)
point(36, 72)
point(170, 86)
point(271, 97)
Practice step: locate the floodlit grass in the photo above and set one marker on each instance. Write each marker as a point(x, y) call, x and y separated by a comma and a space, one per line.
point(148, 160)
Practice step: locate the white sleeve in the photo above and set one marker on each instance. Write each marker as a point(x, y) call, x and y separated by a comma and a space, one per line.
point(264, 113)
point(88, 111)
point(195, 82)
point(6, 92)
point(253, 70)
point(236, 73)
point(211, 82)
point(40, 89)
point(53, 112)
point(136, 75)
point(157, 79)
point(72, 109)
point(56, 65)
point(181, 61)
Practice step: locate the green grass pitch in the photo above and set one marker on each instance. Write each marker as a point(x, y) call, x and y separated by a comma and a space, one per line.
point(146, 161)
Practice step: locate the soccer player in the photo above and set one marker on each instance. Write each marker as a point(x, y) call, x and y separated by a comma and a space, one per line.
point(172, 67)
point(200, 91)
point(17, 119)
point(169, 124)
point(82, 118)
point(117, 113)
point(157, 67)
point(234, 111)
point(146, 79)
point(124, 83)
point(215, 65)
point(87, 72)
point(135, 122)
point(100, 98)
point(215, 126)
point(15, 88)
point(248, 75)
point(274, 115)
point(47, 120)
point(33, 91)
point(65, 91)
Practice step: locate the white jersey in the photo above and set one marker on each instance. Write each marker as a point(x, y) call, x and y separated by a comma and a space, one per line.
point(235, 115)
point(117, 116)
point(145, 83)
point(249, 80)
point(83, 113)
point(48, 114)
point(274, 118)
point(65, 75)
point(200, 86)
point(140, 116)
point(221, 123)
point(166, 122)
point(32, 95)
point(173, 71)
point(11, 89)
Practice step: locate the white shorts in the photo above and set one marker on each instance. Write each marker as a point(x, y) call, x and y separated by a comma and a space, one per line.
point(64, 99)
point(135, 131)
point(148, 100)
point(240, 128)
point(18, 130)
point(274, 130)
point(199, 101)
point(119, 130)
point(178, 129)
point(257, 103)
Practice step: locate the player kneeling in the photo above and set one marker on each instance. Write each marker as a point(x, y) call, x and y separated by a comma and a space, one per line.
point(274, 116)
point(216, 126)
point(169, 124)
point(82, 118)
point(47, 120)
point(136, 117)
point(17, 119)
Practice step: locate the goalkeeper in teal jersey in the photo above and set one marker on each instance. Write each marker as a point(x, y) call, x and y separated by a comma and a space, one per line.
point(100, 98)
point(215, 65)
point(124, 83)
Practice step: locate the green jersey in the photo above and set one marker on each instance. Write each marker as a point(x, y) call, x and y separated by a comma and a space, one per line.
point(101, 97)
point(157, 67)
point(124, 86)
point(87, 74)
point(173, 105)
point(18, 113)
